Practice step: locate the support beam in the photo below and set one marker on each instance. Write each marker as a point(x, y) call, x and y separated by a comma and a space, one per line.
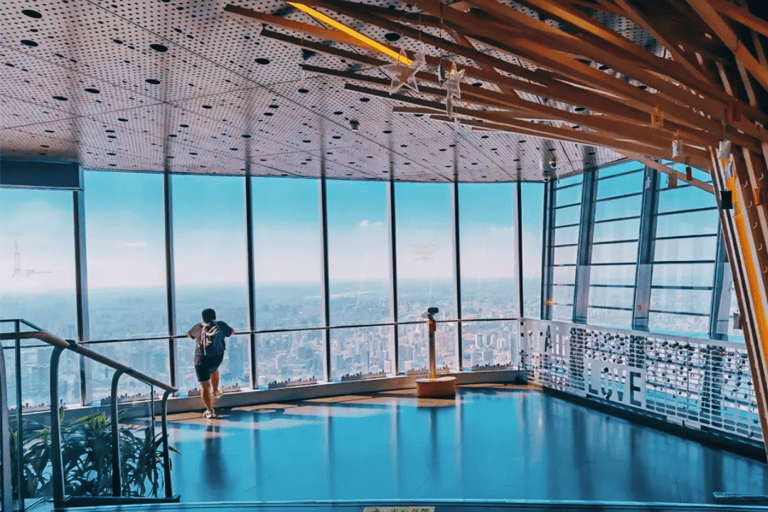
point(645, 250)
point(710, 16)
point(584, 248)
point(170, 279)
point(548, 250)
point(81, 285)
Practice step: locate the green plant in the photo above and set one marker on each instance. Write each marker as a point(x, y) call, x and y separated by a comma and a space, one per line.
point(86, 447)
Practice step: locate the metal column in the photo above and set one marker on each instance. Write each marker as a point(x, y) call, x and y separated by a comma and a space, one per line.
point(547, 250)
point(170, 276)
point(645, 250)
point(326, 306)
point(720, 310)
point(392, 225)
point(519, 229)
point(584, 249)
point(81, 283)
point(457, 269)
point(252, 355)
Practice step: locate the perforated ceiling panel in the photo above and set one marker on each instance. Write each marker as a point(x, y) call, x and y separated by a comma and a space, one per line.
point(185, 86)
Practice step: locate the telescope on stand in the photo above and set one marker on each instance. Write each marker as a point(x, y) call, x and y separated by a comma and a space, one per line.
point(434, 386)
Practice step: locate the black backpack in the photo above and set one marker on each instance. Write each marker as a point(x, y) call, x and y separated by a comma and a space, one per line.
point(212, 340)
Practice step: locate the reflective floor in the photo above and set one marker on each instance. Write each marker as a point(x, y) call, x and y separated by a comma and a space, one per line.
point(491, 442)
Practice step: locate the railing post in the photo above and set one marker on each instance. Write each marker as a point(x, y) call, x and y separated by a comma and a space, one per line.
point(166, 451)
point(5, 438)
point(57, 465)
point(116, 485)
point(19, 418)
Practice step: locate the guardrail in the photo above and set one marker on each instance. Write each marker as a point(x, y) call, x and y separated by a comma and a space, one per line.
point(702, 384)
point(59, 345)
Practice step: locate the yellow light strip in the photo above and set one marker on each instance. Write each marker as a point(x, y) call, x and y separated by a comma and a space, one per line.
point(357, 35)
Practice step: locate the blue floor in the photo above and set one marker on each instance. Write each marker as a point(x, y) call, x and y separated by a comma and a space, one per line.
point(494, 442)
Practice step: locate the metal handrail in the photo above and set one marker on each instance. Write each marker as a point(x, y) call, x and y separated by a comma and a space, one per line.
point(59, 345)
point(296, 329)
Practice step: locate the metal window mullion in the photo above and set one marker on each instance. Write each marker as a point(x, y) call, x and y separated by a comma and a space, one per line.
point(519, 228)
point(170, 284)
point(392, 226)
point(81, 283)
point(547, 250)
point(645, 250)
point(325, 306)
point(457, 268)
point(252, 355)
point(584, 250)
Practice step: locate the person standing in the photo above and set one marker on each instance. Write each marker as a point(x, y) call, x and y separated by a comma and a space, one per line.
point(209, 338)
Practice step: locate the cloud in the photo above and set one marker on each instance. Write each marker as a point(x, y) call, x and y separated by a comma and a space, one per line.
point(365, 223)
point(502, 229)
point(134, 244)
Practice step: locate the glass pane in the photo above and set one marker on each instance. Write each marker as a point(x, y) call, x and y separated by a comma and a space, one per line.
point(569, 215)
point(491, 344)
point(562, 313)
point(290, 357)
point(618, 208)
point(625, 252)
point(38, 285)
point(684, 198)
point(620, 185)
point(688, 274)
point(425, 266)
point(414, 347)
point(620, 169)
point(564, 182)
point(611, 297)
point(612, 274)
point(569, 235)
point(532, 225)
point(682, 301)
point(287, 258)
point(565, 255)
point(562, 294)
point(678, 324)
point(688, 223)
point(358, 266)
point(609, 317)
point(619, 230)
point(686, 249)
point(564, 275)
point(362, 352)
point(357, 252)
point(125, 237)
point(210, 260)
point(488, 250)
point(570, 195)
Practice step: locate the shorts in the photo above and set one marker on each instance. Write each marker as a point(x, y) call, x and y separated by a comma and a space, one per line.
point(207, 366)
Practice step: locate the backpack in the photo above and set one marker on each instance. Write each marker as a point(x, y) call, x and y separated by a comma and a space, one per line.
point(212, 340)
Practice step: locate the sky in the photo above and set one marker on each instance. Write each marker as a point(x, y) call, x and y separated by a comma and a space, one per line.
point(125, 243)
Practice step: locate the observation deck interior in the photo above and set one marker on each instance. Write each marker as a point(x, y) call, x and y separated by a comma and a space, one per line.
point(580, 187)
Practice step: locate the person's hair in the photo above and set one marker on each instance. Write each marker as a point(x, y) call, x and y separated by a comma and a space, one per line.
point(209, 315)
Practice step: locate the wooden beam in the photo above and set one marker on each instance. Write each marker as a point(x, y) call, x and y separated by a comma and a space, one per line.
point(667, 170)
point(742, 15)
point(705, 10)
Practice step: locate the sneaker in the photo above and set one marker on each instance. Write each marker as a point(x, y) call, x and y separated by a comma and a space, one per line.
point(209, 414)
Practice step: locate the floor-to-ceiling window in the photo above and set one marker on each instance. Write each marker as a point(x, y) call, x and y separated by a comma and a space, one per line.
point(614, 244)
point(37, 284)
point(125, 248)
point(359, 289)
point(531, 224)
point(685, 244)
point(489, 278)
point(425, 272)
point(565, 243)
point(210, 266)
point(287, 265)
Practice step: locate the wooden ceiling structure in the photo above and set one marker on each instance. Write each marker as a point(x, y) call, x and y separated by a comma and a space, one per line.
point(695, 93)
